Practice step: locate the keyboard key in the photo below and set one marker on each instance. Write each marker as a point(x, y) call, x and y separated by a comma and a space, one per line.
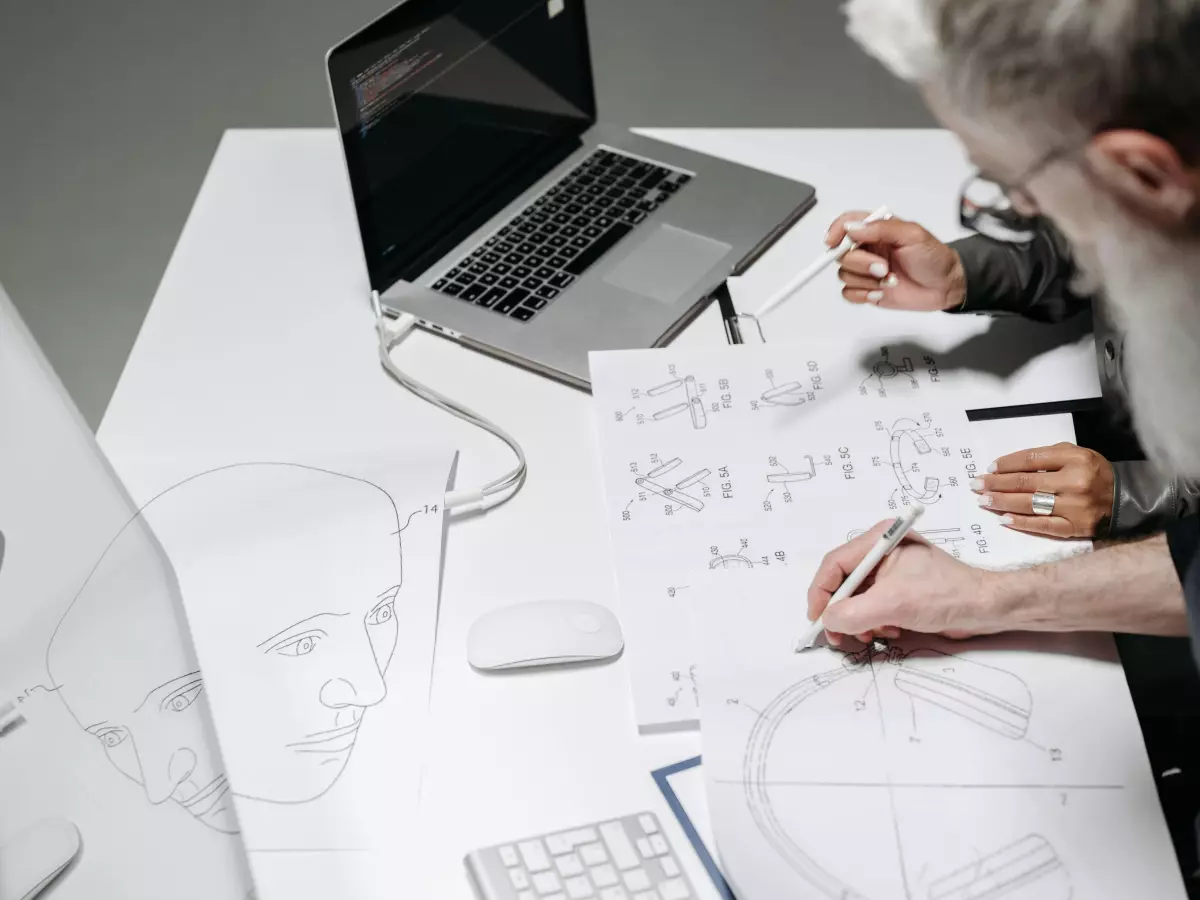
point(608, 180)
point(526, 248)
point(473, 292)
point(544, 273)
point(592, 231)
point(491, 296)
point(637, 880)
point(603, 202)
point(491, 257)
point(531, 284)
point(652, 180)
point(507, 229)
point(534, 855)
point(508, 282)
point(625, 203)
point(578, 888)
point(618, 845)
point(543, 251)
point(633, 216)
point(604, 222)
point(522, 272)
point(569, 230)
point(675, 889)
point(568, 866)
point(522, 314)
point(454, 273)
point(581, 836)
point(572, 209)
point(526, 228)
point(568, 252)
point(641, 170)
point(547, 293)
point(604, 876)
point(504, 247)
point(561, 218)
point(537, 238)
point(583, 220)
point(669, 186)
point(508, 855)
point(593, 854)
point(681, 179)
point(580, 242)
point(534, 302)
point(603, 244)
point(614, 893)
point(644, 848)
point(477, 269)
point(502, 268)
point(453, 289)
point(614, 193)
point(514, 259)
point(507, 305)
point(669, 866)
point(489, 278)
point(594, 190)
point(561, 280)
point(491, 241)
point(466, 278)
point(519, 879)
point(557, 241)
point(538, 217)
point(557, 262)
point(658, 844)
point(546, 882)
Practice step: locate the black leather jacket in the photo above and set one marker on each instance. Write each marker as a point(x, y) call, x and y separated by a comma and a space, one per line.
point(1033, 281)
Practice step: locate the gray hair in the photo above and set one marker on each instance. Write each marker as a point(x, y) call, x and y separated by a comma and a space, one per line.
point(1067, 65)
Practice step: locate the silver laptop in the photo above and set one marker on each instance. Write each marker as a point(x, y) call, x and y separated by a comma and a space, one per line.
point(496, 209)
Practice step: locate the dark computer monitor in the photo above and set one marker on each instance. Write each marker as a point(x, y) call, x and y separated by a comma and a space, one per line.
point(448, 110)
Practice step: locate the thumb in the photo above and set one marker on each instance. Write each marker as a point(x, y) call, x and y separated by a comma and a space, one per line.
point(871, 610)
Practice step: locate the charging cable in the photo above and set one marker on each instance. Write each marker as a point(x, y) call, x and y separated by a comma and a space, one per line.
point(492, 494)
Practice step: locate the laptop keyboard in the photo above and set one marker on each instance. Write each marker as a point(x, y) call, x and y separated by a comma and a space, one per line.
point(521, 268)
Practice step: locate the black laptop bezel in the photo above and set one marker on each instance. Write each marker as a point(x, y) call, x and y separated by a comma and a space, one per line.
point(385, 273)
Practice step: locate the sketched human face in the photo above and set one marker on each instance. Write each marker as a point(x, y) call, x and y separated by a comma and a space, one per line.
point(128, 679)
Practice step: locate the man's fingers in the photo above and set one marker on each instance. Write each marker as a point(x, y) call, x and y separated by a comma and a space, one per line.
point(1068, 506)
point(1051, 526)
point(870, 611)
point(837, 230)
point(1044, 458)
point(862, 262)
point(837, 565)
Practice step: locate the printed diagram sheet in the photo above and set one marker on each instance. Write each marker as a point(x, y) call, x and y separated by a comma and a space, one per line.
point(1009, 767)
point(741, 457)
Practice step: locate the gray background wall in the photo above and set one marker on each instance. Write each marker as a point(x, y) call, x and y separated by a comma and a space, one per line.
point(111, 110)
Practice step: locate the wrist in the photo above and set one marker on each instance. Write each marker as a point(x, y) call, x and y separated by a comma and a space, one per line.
point(1015, 604)
point(956, 291)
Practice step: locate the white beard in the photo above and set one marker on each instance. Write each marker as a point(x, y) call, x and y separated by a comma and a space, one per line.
point(1152, 285)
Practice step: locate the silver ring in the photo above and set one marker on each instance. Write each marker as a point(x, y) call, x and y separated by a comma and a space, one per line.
point(1043, 503)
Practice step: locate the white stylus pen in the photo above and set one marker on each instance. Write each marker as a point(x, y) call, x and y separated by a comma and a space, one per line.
point(889, 539)
point(819, 265)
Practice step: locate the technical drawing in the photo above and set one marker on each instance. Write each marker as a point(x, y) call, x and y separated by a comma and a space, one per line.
point(787, 477)
point(315, 677)
point(666, 467)
point(984, 695)
point(1026, 869)
point(730, 561)
point(673, 494)
point(907, 433)
point(694, 405)
point(885, 369)
point(942, 535)
point(664, 388)
point(669, 411)
point(694, 478)
point(685, 684)
point(790, 394)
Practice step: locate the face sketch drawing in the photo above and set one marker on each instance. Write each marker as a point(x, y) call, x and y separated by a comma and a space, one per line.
point(301, 567)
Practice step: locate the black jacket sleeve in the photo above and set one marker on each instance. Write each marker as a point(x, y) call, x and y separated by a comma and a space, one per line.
point(1031, 280)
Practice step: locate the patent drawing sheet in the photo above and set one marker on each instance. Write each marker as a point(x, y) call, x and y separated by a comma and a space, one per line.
point(310, 585)
point(66, 754)
point(741, 457)
point(1009, 767)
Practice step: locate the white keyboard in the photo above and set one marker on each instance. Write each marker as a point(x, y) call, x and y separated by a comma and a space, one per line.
point(620, 859)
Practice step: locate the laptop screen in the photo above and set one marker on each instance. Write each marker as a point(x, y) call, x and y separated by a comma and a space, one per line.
point(448, 110)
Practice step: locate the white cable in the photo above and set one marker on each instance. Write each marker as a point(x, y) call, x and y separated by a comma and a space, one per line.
point(491, 494)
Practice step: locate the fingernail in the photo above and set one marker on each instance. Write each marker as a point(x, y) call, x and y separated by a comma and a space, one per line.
point(1006, 520)
point(891, 281)
point(874, 296)
point(992, 467)
point(977, 484)
point(984, 499)
point(853, 226)
point(878, 269)
point(829, 238)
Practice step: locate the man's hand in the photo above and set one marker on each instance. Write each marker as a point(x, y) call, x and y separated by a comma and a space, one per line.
point(1081, 480)
point(917, 587)
point(897, 264)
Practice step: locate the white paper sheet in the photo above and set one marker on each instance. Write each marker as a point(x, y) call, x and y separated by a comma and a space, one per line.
point(60, 508)
point(741, 457)
point(1002, 767)
point(311, 590)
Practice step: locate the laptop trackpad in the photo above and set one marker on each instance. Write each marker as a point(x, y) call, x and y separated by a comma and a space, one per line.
point(667, 263)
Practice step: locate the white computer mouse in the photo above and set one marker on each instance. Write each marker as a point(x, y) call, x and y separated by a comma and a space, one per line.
point(543, 633)
point(35, 857)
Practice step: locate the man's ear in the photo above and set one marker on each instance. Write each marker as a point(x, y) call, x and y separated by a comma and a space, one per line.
point(1147, 175)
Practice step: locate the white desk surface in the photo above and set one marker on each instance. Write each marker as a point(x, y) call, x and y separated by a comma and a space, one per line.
point(260, 333)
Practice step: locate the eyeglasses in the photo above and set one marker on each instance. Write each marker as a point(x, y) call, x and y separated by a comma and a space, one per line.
point(995, 209)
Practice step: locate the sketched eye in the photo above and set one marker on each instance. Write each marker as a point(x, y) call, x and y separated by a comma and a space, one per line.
point(182, 698)
point(301, 646)
point(381, 615)
point(113, 737)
